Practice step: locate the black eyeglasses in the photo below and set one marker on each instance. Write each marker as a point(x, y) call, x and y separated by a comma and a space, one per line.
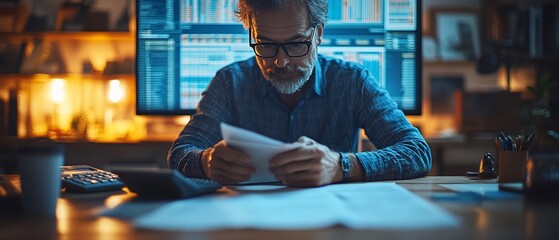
point(292, 49)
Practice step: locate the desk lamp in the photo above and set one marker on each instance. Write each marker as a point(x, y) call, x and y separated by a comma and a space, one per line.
point(57, 95)
point(115, 93)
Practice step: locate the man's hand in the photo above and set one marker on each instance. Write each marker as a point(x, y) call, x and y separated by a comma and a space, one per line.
point(311, 165)
point(226, 165)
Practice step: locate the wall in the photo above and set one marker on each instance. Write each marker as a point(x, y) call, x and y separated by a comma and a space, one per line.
point(86, 61)
point(83, 60)
point(91, 55)
point(433, 124)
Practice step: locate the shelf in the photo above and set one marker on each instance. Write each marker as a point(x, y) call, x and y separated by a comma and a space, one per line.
point(544, 58)
point(65, 75)
point(82, 36)
point(451, 63)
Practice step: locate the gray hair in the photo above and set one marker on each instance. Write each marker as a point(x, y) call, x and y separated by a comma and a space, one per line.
point(317, 9)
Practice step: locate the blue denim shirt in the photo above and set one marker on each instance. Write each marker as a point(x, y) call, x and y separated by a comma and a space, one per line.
point(343, 98)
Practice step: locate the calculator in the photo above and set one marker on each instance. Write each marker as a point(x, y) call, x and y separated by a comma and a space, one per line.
point(164, 183)
point(84, 178)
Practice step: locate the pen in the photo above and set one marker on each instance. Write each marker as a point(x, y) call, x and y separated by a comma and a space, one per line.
point(503, 141)
point(528, 141)
point(498, 143)
point(510, 144)
point(506, 142)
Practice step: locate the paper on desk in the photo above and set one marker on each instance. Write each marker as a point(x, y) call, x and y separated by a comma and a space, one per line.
point(259, 147)
point(482, 190)
point(357, 206)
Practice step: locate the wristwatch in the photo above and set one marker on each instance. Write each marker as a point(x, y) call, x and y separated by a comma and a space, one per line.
point(346, 166)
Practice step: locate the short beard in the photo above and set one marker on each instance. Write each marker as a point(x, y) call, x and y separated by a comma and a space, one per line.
point(291, 78)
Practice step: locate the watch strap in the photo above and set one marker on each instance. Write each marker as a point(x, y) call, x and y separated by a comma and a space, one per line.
point(345, 165)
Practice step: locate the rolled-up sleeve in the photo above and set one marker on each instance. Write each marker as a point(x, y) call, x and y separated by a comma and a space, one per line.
point(401, 151)
point(203, 130)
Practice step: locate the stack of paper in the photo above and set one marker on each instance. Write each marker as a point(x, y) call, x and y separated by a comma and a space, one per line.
point(259, 147)
point(356, 206)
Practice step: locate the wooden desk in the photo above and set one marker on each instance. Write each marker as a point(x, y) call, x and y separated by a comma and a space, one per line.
point(480, 218)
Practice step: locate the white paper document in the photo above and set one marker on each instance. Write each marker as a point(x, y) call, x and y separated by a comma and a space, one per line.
point(259, 147)
point(482, 190)
point(356, 206)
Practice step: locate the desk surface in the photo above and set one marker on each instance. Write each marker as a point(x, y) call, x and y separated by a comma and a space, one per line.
point(481, 218)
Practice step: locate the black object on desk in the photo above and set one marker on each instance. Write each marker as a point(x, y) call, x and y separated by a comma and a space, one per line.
point(486, 168)
point(164, 183)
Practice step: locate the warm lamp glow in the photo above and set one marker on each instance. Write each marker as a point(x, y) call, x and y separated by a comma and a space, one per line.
point(58, 90)
point(116, 91)
point(182, 120)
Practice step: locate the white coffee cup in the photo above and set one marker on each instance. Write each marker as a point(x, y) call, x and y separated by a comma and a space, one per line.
point(39, 169)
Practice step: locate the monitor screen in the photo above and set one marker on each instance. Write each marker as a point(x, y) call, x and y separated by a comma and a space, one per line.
point(181, 44)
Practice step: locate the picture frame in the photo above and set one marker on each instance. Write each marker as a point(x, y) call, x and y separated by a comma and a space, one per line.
point(457, 33)
point(429, 47)
point(443, 88)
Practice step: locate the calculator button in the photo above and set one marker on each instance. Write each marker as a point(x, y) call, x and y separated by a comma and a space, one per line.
point(81, 181)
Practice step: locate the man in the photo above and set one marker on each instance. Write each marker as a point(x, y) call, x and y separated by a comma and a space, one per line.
point(291, 93)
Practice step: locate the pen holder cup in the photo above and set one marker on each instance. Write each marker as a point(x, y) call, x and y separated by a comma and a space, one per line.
point(511, 166)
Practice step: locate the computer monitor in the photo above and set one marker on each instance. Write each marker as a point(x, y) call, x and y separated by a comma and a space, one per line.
point(181, 44)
